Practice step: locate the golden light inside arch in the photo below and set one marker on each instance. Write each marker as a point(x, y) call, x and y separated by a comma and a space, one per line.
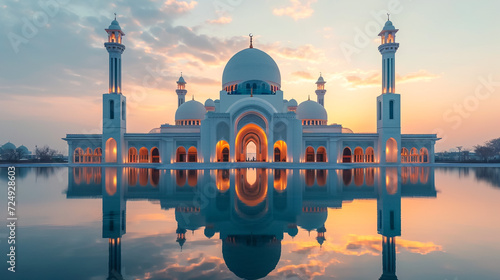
point(251, 133)
point(251, 194)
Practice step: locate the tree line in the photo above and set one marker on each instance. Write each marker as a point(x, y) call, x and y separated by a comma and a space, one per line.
point(489, 150)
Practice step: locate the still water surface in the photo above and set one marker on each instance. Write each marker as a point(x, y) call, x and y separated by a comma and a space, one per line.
point(370, 223)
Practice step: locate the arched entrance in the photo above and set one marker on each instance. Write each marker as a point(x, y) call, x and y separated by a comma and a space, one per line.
point(143, 155)
point(132, 155)
point(280, 151)
point(247, 134)
point(358, 154)
point(370, 155)
point(391, 150)
point(309, 154)
point(155, 155)
point(222, 151)
point(321, 154)
point(192, 154)
point(405, 155)
point(424, 155)
point(180, 154)
point(111, 150)
point(346, 155)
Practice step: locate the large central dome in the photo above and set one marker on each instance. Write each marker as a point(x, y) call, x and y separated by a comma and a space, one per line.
point(251, 64)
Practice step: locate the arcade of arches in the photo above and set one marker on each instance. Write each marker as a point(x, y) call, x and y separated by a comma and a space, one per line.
point(315, 156)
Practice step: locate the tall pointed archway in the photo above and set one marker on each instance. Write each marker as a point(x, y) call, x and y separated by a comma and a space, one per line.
point(251, 133)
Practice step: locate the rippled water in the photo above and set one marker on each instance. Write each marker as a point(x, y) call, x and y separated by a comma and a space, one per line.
point(370, 223)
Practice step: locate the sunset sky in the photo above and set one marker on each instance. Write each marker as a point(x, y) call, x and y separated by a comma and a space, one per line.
point(55, 67)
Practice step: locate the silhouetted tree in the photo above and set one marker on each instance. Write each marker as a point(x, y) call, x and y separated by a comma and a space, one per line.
point(484, 151)
point(45, 153)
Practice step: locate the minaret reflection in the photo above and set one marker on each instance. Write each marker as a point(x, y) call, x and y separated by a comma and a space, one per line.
point(389, 218)
point(113, 218)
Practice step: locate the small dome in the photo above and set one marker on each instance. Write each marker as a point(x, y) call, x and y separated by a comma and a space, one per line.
point(312, 220)
point(251, 64)
point(115, 25)
point(320, 80)
point(388, 26)
point(23, 148)
point(209, 103)
point(191, 110)
point(292, 103)
point(311, 110)
point(181, 80)
point(8, 146)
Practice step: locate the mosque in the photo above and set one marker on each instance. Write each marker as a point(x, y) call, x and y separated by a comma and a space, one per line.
point(251, 120)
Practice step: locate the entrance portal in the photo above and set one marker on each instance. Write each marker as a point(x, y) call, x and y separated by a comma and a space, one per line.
point(249, 135)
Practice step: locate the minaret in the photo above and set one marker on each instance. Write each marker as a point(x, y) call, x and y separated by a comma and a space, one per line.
point(114, 102)
point(181, 91)
point(389, 102)
point(320, 90)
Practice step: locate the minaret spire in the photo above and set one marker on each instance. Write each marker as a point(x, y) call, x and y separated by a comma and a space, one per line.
point(388, 48)
point(320, 90)
point(115, 49)
point(181, 91)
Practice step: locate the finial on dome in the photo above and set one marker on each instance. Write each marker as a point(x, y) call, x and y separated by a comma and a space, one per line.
point(308, 97)
point(388, 16)
point(193, 97)
point(320, 74)
point(115, 16)
point(181, 73)
point(251, 40)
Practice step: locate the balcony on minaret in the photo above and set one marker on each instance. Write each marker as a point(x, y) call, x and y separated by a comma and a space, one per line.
point(388, 48)
point(181, 83)
point(115, 32)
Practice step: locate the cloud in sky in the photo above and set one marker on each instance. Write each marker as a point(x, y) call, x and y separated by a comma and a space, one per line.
point(303, 75)
point(220, 20)
point(179, 7)
point(362, 79)
point(298, 9)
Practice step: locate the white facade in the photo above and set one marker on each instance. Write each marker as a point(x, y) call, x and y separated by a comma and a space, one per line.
point(251, 121)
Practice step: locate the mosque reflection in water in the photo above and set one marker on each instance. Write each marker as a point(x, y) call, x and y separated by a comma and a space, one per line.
point(251, 209)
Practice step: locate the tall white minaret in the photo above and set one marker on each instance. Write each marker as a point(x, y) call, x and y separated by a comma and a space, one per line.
point(181, 91)
point(389, 102)
point(114, 102)
point(320, 90)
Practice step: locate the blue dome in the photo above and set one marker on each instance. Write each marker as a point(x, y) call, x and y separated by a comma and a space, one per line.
point(388, 26)
point(311, 110)
point(115, 25)
point(181, 81)
point(209, 103)
point(251, 64)
point(191, 110)
point(8, 146)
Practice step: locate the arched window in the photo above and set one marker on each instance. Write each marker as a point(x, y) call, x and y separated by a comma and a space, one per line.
point(321, 154)
point(88, 156)
point(405, 155)
point(192, 154)
point(111, 109)
point(370, 155)
point(347, 155)
point(424, 155)
point(180, 154)
point(413, 155)
point(123, 110)
point(379, 111)
point(309, 154)
point(78, 155)
point(155, 155)
point(132, 155)
point(143, 155)
point(391, 109)
point(97, 155)
point(358, 155)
